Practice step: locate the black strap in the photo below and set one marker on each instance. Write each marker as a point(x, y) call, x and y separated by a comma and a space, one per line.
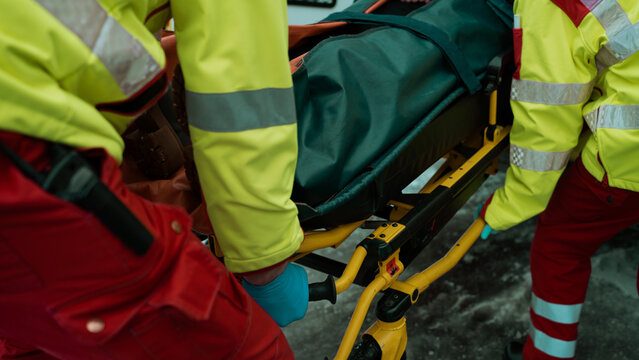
point(425, 30)
point(72, 178)
point(26, 169)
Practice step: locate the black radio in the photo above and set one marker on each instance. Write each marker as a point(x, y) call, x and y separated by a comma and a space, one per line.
point(318, 3)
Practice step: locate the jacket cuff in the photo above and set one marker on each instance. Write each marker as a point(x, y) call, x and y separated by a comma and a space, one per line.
point(482, 212)
point(259, 271)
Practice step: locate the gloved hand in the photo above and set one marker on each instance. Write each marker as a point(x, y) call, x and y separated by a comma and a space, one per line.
point(481, 212)
point(285, 298)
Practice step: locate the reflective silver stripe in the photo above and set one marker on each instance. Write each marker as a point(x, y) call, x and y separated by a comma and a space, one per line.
point(549, 93)
point(563, 314)
point(590, 4)
point(242, 110)
point(623, 36)
point(623, 117)
point(619, 48)
point(551, 346)
point(127, 60)
point(539, 161)
point(611, 16)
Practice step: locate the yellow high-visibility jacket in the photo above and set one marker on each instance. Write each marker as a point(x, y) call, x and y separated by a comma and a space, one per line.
point(578, 61)
point(77, 72)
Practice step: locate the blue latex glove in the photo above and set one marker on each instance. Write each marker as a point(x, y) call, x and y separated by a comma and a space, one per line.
point(286, 297)
point(487, 230)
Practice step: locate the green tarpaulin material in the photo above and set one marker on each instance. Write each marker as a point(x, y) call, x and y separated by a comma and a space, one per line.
point(361, 97)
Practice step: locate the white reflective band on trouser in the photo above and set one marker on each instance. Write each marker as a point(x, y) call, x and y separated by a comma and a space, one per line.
point(563, 314)
point(127, 60)
point(551, 346)
point(622, 117)
point(549, 93)
point(539, 161)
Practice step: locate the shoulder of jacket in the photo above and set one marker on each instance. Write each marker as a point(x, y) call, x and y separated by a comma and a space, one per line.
point(576, 10)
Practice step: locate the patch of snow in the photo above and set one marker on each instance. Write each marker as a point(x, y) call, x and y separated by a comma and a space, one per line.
point(618, 268)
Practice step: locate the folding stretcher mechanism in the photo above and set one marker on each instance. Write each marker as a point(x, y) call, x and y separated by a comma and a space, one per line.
point(412, 221)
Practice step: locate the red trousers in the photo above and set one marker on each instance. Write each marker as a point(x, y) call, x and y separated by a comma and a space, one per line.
point(69, 289)
point(583, 213)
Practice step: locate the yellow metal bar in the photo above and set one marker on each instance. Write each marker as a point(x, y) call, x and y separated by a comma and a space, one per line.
point(454, 161)
point(358, 317)
point(406, 289)
point(389, 270)
point(354, 264)
point(423, 279)
point(438, 177)
point(461, 165)
point(399, 210)
point(500, 134)
point(315, 240)
point(492, 111)
point(386, 232)
point(391, 337)
point(430, 186)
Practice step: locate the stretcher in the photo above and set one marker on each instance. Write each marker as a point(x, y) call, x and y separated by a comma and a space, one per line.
point(465, 122)
point(383, 90)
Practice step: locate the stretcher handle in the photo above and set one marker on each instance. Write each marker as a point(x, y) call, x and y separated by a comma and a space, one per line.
point(325, 290)
point(355, 324)
point(329, 288)
point(449, 49)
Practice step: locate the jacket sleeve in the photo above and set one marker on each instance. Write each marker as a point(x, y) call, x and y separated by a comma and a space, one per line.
point(234, 56)
point(553, 80)
point(34, 104)
point(53, 77)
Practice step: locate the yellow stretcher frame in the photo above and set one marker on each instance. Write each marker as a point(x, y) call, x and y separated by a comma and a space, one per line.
point(392, 336)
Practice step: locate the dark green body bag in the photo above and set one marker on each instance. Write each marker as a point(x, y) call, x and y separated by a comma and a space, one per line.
point(369, 89)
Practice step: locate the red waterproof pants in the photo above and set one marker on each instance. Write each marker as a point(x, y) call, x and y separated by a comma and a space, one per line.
point(71, 290)
point(583, 213)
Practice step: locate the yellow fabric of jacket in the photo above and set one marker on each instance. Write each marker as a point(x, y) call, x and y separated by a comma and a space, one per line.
point(78, 72)
point(579, 67)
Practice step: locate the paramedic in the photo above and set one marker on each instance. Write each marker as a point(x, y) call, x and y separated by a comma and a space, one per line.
point(76, 74)
point(577, 60)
